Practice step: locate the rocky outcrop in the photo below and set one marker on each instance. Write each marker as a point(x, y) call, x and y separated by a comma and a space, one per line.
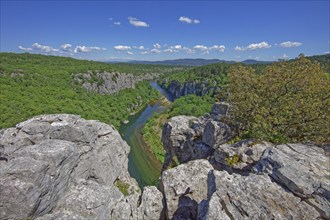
point(195, 190)
point(178, 89)
point(249, 179)
point(302, 169)
point(253, 197)
point(65, 167)
point(184, 187)
point(113, 82)
point(181, 140)
point(189, 138)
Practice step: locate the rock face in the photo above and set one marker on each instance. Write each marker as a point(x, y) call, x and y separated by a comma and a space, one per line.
point(177, 89)
point(254, 197)
point(65, 167)
point(249, 179)
point(189, 138)
point(181, 140)
point(184, 187)
point(109, 83)
point(303, 169)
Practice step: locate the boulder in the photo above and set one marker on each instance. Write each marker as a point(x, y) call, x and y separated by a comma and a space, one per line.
point(61, 166)
point(302, 169)
point(216, 133)
point(149, 206)
point(184, 187)
point(181, 140)
point(254, 197)
point(240, 156)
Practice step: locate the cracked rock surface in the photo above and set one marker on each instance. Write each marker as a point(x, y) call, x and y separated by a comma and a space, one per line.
point(61, 167)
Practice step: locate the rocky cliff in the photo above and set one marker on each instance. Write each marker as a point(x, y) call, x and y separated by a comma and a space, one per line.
point(65, 167)
point(178, 89)
point(109, 83)
point(245, 180)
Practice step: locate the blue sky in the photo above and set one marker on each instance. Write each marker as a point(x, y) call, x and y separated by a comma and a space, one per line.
point(159, 30)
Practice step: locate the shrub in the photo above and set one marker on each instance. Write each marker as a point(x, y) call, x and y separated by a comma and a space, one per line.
point(286, 101)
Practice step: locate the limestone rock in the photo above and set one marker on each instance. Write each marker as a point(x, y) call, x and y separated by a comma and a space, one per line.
point(184, 187)
point(178, 89)
point(152, 207)
point(61, 166)
point(181, 140)
point(111, 82)
point(216, 133)
point(303, 169)
point(254, 197)
point(240, 156)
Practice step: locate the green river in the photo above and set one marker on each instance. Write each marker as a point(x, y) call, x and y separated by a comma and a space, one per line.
point(143, 165)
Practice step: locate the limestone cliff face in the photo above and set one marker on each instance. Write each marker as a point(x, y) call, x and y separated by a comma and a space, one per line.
point(65, 167)
point(178, 89)
point(110, 83)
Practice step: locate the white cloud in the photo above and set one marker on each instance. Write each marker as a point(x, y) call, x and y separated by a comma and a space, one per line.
point(187, 20)
point(85, 49)
point(42, 48)
point(176, 47)
point(220, 48)
point(129, 52)
point(200, 47)
point(145, 52)
point(122, 47)
point(290, 44)
point(170, 51)
point(141, 48)
point(284, 56)
point(24, 48)
point(66, 47)
point(135, 22)
point(116, 23)
point(157, 45)
point(155, 51)
point(237, 48)
point(261, 45)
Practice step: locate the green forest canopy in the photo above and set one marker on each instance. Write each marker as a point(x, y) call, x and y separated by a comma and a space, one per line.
point(37, 84)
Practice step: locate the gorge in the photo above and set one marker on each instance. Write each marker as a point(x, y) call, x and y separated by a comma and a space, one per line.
point(66, 166)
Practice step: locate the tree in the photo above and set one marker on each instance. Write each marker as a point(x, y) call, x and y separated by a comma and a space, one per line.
point(287, 101)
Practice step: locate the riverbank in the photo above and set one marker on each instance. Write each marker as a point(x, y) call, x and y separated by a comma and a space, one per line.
point(143, 164)
point(152, 135)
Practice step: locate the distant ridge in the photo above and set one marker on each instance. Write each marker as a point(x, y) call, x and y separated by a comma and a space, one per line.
point(195, 62)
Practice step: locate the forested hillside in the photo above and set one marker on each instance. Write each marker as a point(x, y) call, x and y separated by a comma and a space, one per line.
point(36, 84)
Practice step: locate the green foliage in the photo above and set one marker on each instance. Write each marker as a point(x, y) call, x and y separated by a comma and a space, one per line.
point(122, 186)
point(37, 84)
point(212, 74)
point(287, 101)
point(324, 61)
point(232, 160)
point(191, 105)
point(187, 105)
point(152, 132)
